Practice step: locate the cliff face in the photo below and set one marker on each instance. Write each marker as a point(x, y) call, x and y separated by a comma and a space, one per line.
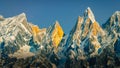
point(57, 34)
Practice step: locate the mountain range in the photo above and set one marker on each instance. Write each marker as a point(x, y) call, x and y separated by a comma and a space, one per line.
point(88, 45)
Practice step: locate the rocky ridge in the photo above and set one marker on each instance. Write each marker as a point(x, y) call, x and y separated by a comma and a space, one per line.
point(23, 44)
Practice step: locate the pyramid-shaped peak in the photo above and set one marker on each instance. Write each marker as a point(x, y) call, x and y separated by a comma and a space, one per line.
point(117, 13)
point(57, 34)
point(114, 20)
point(22, 15)
point(90, 14)
point(89, 9)
point(56, 22)
point(115, 17)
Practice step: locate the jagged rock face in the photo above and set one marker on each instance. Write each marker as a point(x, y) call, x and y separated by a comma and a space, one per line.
point(15, 33)
point(85, 34)
point(112, 27)
point(38, 33)
point(25, 45)
point(23, 52)
point(20, 40)
point(57, 34)
point(108, 41)
point(113, 23)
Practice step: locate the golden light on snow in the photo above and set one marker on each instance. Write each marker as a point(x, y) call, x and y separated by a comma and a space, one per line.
point(57, 34)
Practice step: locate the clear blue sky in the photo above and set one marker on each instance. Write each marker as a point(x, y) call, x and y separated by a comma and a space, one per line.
point(45, 12)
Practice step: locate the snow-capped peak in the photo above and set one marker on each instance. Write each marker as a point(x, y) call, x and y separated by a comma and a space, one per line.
point(22, 15)
point(117, 12)
point(56, 23)
point(56, 33)
point(113, 22)
point(90, 14)
point(87, 42)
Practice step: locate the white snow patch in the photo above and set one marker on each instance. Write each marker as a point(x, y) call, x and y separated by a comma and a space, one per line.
point(23, 52)
point(12, 37)
point(73, 46)
point(91, 15)
point(41, 47)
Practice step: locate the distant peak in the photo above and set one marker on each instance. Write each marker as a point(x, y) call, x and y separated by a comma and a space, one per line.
point(114, 19)
point(89, 11)
point(90, 14)
point(88, 8)
point(115, 16)
point(117, 13)
point(56, 23)
point(22, 15)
